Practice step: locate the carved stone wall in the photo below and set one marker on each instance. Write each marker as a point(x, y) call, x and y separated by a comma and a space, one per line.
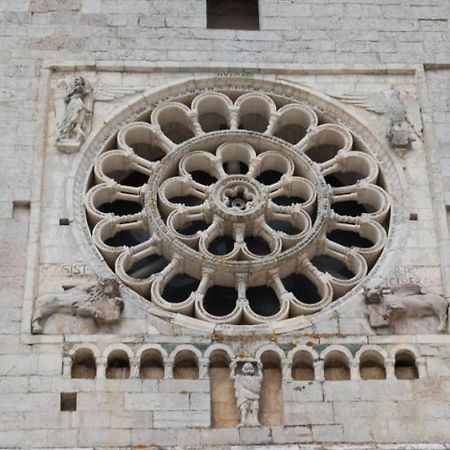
point(94, 374)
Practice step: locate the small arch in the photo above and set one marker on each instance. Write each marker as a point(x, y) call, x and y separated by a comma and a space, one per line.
point(336, 363)
point(118, 365)
point(83, 364)
point(151, 364)
point(405, 364)
point(271, 398)
point(371, 363)
point(219, 348)
point(185, 363)
point(303, 366)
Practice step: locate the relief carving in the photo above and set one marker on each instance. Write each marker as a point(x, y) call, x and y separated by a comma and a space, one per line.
point(247, 388)
point(100, 301)
point(387, 305)
point(77, 119)
point(401, 111)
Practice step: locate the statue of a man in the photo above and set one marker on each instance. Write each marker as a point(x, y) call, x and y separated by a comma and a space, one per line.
point(247, 388)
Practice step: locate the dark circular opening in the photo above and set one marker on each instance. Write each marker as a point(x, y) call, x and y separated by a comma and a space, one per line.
point(220, 301)
point(263, 300)
point(179, 288)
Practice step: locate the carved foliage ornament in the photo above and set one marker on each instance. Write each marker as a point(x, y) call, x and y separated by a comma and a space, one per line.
point(237, 207)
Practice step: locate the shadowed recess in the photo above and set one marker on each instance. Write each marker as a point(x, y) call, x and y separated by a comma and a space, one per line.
point(332, 266)
point(291, 133)
point(352, 208)
point(177, 132)
point(349, 239)
point(322, 153)
point(263, 300)
point(235, 168)
point(188, 200)
point(284, 200)
point(147, 266)
point(339, 179)
point(129, 238)
point(212, 122)
point(220, 300)
point(302, 288)
point(179, 288)
point(192, 227)
point(120, 207)
point(284, 226)
point(203, 177)
point(128, 177)
point(147, 151)
point(221, 245)
point(269, 177)
point(257, 245)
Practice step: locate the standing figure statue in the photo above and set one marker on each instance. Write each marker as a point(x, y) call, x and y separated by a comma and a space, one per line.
point(76, 122)
point(247, 388)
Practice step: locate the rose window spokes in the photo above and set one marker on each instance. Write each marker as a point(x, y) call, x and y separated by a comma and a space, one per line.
point(237, 209)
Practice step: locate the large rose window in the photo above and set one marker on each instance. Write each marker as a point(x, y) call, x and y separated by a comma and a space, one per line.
point(237, 207)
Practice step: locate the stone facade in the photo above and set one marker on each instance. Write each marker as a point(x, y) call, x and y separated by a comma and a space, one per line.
point(87, 365)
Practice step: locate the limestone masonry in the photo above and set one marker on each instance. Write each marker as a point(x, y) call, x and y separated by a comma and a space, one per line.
point(225, 224)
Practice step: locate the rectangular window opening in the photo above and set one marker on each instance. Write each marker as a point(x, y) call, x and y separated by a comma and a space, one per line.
point(64, 221)
point(68, 401)
point(232, 14)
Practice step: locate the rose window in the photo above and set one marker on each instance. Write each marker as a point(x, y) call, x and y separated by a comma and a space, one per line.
point(237, 207)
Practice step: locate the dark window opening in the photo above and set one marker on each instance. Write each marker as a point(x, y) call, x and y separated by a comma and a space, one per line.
point(263, 300)
point(68, 401)
point(179, 288)
point(232, 14)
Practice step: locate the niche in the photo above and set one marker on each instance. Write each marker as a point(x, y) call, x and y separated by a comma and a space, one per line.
point(302, 366)
point(371, 366)
point(83, 364)
point(405, 366)
point(232, 14)
point(271, 400)
point(118, 367)
point(151, 365)
point(336, 367)
point(224, 410)
point(185, 366)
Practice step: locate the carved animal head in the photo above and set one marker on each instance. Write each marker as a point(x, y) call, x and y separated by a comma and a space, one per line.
point(373, 293)
point(106, 305)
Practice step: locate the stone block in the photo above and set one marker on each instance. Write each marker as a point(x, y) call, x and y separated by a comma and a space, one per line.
point(400, 390)
point(255, 435)
point(181, 419)
point(184, 386)
point(303, 391)
point(220, 436)
point(291, 435)
point(62, 438)
point(156, 402)
point(106, 437)
point(341, 390)
point(189, 437)
point(99, 401)
point(146, 437)
point(328, 433)
point(199, 401)
point(131, 419)
point(29, 402)
point(297, 413)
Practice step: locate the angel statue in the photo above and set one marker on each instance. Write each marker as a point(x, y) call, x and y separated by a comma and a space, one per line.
point(247, 391)
point(76, 122)
point(400, 108)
